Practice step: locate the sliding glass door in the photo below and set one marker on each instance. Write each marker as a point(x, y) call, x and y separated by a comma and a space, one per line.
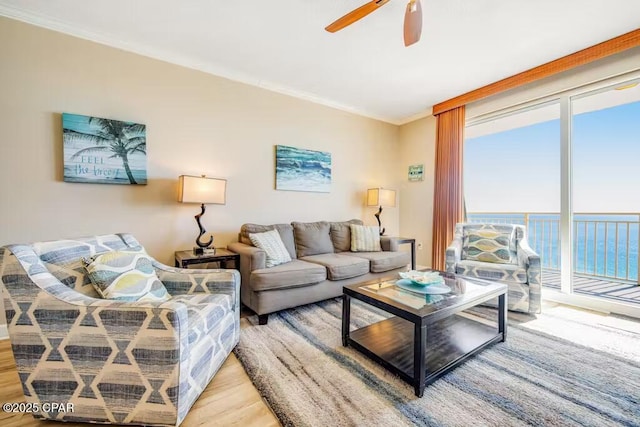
point(606, 192)
point(512, 175)
point(568, 169)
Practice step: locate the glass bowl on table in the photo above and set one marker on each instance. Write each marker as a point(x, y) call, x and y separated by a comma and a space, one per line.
point(423, 282)
point(422, 278)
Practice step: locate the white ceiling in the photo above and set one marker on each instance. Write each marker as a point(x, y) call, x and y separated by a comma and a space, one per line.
point(281, 45)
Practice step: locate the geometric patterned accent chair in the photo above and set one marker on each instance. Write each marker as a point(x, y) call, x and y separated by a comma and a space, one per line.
point(116, 361)
point(498, 252)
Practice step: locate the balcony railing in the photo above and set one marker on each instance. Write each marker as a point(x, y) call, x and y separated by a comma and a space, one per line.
point(604, 244)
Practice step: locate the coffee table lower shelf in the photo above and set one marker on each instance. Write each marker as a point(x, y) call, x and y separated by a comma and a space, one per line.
point(450, 342)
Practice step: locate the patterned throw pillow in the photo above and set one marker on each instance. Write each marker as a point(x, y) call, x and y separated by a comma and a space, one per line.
point(487, 245)
point(272, 244)
point(125, 276)
point(365, 238)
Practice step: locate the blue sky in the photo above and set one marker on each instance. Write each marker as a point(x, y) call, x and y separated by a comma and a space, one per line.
point(518, 170)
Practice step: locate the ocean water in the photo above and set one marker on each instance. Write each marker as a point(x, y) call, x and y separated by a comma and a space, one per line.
point(598, 249)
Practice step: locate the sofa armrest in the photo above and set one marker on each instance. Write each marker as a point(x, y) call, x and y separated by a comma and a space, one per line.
point(453, 254)
point(389, 244)
point(528, 258)
point(183, 281)
point(255, 258)
point(251, 258)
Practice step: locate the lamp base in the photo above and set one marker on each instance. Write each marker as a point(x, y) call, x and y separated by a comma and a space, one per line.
point(377, 215)
point(201, 251)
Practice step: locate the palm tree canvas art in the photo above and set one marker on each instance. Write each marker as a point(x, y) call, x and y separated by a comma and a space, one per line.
point(104, 151)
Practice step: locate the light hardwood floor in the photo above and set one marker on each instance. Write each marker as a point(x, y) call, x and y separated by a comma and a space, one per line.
point(229, 400)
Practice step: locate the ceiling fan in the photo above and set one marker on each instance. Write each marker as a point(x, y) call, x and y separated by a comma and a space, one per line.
point(412, 19)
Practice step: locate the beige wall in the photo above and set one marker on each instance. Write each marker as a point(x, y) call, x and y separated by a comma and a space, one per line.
point(417, 146)
point(196, 124)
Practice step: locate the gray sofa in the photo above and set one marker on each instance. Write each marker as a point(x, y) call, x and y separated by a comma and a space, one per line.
point(321, 265)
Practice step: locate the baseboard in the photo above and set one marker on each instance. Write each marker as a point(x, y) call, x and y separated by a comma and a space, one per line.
point(4, 332)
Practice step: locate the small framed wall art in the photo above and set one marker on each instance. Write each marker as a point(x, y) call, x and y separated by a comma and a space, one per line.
point(104, 151)
point(416, 172)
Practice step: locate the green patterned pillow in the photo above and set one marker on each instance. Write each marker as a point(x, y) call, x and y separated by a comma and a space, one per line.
point(487, 245)
point(125, 276)
point(365, 238)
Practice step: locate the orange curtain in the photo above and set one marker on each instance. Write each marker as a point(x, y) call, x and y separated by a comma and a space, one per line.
point(448, 196)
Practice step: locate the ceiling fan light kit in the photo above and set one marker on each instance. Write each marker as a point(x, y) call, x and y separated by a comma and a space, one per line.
point(412, 19)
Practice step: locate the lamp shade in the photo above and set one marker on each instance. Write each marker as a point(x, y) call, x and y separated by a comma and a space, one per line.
point(200, 189)
point(381, 197)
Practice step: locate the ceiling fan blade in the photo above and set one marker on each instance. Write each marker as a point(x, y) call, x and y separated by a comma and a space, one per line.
point(412, 22)
point(355, 15)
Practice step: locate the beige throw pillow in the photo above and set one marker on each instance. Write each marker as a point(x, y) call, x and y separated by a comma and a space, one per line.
point(272, 244)
point(341, 234)
point(365, 238)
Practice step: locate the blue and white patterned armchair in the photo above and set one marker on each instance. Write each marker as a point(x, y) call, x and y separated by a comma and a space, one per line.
point(116, 362)
point(498, 252)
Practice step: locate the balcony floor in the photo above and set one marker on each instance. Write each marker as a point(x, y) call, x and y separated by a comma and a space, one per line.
point(620, 291)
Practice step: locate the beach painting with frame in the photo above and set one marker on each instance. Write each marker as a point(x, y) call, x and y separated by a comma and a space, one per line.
point(299, 169)
point(103, 151)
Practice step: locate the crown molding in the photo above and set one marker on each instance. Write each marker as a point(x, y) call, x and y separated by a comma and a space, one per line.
point(53, 24)
point(414, 117)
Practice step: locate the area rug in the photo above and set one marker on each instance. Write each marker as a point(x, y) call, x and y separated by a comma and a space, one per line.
point(298, 364)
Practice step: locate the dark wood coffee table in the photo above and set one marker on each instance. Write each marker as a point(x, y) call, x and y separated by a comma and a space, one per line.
point(427, 336)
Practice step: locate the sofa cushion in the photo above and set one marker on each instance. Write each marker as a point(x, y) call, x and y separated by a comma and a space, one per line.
point(125, 276)
point(492, 271)
point(285, 230)
point(341, 234)
point(384, 261)
point(365, 238)
point(340, 266)
point(271, 243)
point(289, 275)
point(312, 238)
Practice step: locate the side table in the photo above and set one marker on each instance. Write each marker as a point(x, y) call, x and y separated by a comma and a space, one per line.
point(412, 242)
point(221, 255)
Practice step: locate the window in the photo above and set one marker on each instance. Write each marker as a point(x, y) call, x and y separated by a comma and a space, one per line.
point(567, 169)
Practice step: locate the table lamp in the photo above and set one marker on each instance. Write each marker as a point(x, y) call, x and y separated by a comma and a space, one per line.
point(381, 197)
point(203, 190)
